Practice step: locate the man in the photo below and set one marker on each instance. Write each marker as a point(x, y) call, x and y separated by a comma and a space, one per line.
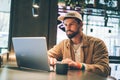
point(80, 51)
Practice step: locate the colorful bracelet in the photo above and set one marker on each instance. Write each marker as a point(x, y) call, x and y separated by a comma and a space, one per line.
point(80, 66)
point(83, 67)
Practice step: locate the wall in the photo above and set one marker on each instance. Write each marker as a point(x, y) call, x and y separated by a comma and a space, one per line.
point(22, 22)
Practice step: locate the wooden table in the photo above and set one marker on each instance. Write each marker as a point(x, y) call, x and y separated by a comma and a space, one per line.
point(11, 72)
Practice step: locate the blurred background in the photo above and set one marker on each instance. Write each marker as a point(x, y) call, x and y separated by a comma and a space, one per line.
point(101, 19)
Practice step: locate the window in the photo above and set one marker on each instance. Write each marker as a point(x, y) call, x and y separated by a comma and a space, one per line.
point(4, 24)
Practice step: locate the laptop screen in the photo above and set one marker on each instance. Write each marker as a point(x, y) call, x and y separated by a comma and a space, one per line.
point(31, 52)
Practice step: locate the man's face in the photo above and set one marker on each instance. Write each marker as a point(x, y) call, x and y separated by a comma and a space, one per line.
point(72, 27)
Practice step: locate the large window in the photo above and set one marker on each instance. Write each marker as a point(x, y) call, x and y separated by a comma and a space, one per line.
point(94, 25)
point(4, 24)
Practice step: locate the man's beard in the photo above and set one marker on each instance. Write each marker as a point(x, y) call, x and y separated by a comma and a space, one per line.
point(70, 36)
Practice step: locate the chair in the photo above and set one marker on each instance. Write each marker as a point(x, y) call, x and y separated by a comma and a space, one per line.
point(111, 78)
point(0, 61)
point(114, 59)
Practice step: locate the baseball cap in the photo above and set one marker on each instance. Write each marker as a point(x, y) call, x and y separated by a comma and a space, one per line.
point(71, 14)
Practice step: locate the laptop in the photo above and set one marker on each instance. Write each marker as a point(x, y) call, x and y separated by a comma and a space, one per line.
point(31, 52)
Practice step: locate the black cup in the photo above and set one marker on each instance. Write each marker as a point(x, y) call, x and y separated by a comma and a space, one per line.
point(61, 68)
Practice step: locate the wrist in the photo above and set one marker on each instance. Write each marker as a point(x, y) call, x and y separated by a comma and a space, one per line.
point(80, 66)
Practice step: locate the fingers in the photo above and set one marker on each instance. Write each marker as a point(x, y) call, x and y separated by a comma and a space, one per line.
point(70, 62)
point(52, 61)
point(73, 64)
point(66, 60)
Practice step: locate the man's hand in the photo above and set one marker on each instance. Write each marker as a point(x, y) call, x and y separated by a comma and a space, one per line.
point(70, 62)
point(52, 61)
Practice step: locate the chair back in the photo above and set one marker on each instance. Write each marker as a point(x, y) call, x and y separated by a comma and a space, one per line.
point(114, 59)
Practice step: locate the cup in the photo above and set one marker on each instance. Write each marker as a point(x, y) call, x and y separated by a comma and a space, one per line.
point(61, 68)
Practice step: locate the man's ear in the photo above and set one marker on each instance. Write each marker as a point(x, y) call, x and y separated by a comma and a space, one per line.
point(81, 24)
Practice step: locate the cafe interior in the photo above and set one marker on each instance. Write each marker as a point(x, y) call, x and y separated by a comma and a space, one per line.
point(36, 18)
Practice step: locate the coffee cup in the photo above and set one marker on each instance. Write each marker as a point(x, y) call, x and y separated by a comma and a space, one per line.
point(61, 68)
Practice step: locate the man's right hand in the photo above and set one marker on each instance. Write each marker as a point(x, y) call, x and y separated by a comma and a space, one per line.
point(52, 61)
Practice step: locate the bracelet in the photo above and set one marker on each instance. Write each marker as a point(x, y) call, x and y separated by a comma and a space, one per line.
point(83, 67)
point(80, 66)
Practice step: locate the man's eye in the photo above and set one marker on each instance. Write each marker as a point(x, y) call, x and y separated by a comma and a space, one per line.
point(65, 24)
point(71, 24)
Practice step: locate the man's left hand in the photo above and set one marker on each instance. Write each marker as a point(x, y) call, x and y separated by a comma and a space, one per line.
point(70, 62)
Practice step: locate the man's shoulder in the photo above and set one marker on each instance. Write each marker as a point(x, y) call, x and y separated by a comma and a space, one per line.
point(95, 39)
point(64, 42)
